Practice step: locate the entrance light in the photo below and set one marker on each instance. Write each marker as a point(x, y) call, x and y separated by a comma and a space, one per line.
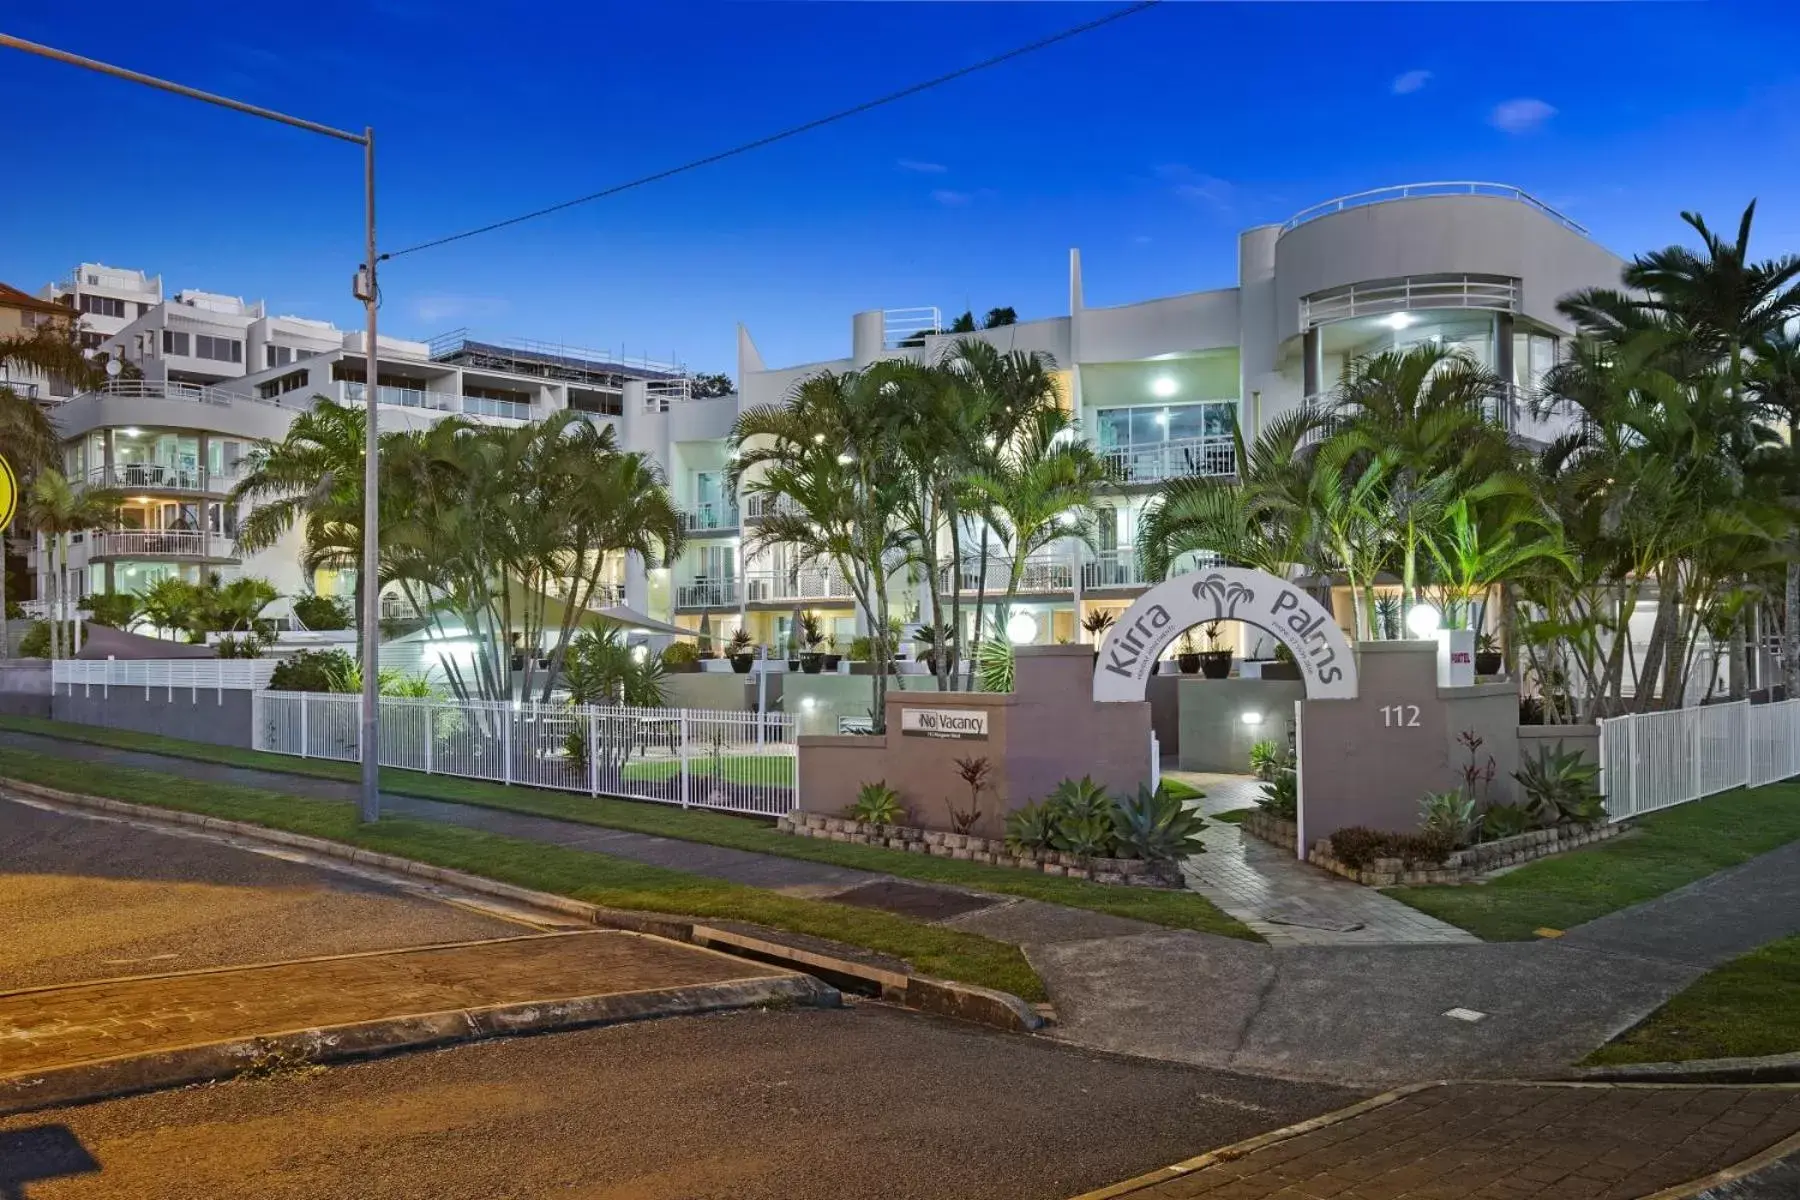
point(1399, 320)
point(1251, 717)
point(1422, 619)
point(1164, 386)
point(1021, 629)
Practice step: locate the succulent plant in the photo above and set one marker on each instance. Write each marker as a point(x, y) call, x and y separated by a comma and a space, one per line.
point(1157, 827)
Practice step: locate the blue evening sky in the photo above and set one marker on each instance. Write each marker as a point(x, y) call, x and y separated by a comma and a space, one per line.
point(1148, 144)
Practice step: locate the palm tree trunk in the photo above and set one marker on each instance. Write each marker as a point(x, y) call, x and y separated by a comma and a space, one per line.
point(980, 592)
point(955, 639)
point(1790, 633)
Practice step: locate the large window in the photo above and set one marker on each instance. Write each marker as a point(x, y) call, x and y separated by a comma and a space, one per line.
point(277, 356)
point(175, 342)
point(218, 349)
point(102, 306)
point(1131, 428)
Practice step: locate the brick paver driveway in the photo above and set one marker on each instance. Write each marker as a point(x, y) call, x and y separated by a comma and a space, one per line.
point(1496, 1142)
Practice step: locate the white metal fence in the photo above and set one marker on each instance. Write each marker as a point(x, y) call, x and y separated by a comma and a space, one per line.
point(735, 761)
point(229, 674)
point(1657, 760)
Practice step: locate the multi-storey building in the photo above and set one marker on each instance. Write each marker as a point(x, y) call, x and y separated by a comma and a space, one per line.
point(105, 298)
point(21, 316)
point(1156, 385)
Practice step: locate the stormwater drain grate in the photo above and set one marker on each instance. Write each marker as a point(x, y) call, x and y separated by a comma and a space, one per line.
point(914, 900)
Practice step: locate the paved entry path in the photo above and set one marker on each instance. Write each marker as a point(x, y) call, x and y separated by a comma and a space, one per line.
point(1496, 1142)
point(1287, 901)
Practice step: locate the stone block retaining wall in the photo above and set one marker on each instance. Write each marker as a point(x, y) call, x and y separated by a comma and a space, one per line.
point(1470, 863)
point(968, 847)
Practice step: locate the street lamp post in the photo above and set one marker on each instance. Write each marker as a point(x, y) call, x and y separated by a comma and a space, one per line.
point(366, 290)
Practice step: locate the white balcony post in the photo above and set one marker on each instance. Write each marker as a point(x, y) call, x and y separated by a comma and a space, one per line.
point(682, 752)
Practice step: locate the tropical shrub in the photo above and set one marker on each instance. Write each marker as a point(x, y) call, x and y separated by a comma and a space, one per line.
point(994, 664)
point(861, 649)
point(1560, 786)
point(248, 645)
point(1449, 816)
point(1357, 846)
point(601, 668)
point(877, 804)
point(1505, 820)
point(36, 642)
point(321, 612)
point(680, 654)
point(741, 643)
point(974, 771)
point(1031, 827)
point(1079, 798)
point(116, 610)
point(314, 671)
point(1156, 826)
point(1087, 834)
point(1266, 758)
point(1281, 794)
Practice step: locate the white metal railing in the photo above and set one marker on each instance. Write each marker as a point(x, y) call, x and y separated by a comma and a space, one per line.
point(1111, 569)
point(806, 583)
point(734, 761)
point(1505, 408)
point(1421, 191)
point(481, 406)
point(21, 389)
point(1490, 293)
point(757, 506)
point(717, 593)
point(659, 394)
point(1039, 573)
point(231, 674)
point(403, 397)
point(1656, 760)
point(150, 389)
point(705, 517)
point(149, 476)
point(1172, 460)
point(903, 326)
point(176, 543)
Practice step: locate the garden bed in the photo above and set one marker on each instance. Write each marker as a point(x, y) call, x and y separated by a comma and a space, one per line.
point(968, 847)
point(1469, 863)
point(1264, 827)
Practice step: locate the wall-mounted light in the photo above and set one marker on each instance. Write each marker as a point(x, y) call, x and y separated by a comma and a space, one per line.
point(1422, 619)
point(1399, 320)
point(640, 653)
point(808, 704)
point(1250, 717)
point(1021, 629)
point(1164, 386)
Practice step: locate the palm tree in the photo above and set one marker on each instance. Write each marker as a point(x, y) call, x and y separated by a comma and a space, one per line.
point(1041, 488)
point(172, 605)
point(56, 509)
point(1774, 383)
point(827, 455)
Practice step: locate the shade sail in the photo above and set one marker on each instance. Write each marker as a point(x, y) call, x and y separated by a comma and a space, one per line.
point(105, 642)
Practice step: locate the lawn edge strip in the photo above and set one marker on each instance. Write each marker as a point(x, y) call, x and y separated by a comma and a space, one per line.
point(924, 993)
point(1765, 1068)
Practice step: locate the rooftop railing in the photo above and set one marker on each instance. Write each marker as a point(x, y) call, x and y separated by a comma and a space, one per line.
point(1420, 191)
point(192, 393)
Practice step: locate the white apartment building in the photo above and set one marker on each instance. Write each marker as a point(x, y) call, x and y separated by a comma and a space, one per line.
point(1156, 384)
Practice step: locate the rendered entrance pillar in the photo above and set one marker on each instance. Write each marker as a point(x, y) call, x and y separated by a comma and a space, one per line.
point(1312, 363)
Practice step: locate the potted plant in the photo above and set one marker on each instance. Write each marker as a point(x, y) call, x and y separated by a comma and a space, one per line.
point(1488, 659)
point(1097, 623)
point(930, 643)
point(1189, 658)
point(1284, 666)
point(740, 651)
point(832, 657)
point(681, 658)
point(862, 649)
point(1215, 661)
point(812, 636)
point(793, 641)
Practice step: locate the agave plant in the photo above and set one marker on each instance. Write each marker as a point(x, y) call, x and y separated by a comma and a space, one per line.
point(1266, 758)
point(1449, 816)
point(1156, 826)
point(1030, 827)
point(1560, 786)
point(1281, 794)
point(1079, 798)
point(1087, 834)
point(877, 804)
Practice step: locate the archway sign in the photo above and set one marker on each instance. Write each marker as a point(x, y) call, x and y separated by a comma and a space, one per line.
point(1256, 598)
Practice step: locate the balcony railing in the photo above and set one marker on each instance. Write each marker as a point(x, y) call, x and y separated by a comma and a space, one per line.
point(718, 593)
point(1419, 191)
point(21, 389)
point(1172, 460)
point(403, 397)
point(1504, 408)
point(808, 583)
point(756, 507)
point(1111, 569)
point(708, 517)
point(481, 406)
point(1041, 573)
point(159, 543)
point(157, 477)
point(193, 393)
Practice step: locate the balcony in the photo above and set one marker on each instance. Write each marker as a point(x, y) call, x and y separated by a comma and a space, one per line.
point(1041, 573)
point(1111, 569)
point(806, 583)
point(192, 393)
point(757, 507)
point(21, 389)
point(481, 406)
point(1421, 191)
point(1214, 456)
point(404, 397)
point(1506, 408)
point(718, 593)
point(710, 518)
point(163, 477)
point(160, 543)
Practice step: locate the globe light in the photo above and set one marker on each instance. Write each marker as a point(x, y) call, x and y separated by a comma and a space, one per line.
point(1422, 619)
point(1251, 717)
point(1163, 386)
point(1022, 629)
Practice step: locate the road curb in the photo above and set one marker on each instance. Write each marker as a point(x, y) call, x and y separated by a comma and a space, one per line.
point(1770, 1068)
point(130, 1074)
point(999, 1010)
point(1250, 1145)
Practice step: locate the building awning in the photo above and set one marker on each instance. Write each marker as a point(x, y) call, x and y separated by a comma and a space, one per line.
point(633, 618)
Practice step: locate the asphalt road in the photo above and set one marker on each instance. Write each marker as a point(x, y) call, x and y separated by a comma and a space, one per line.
point(866, 1101)
point(92, 899)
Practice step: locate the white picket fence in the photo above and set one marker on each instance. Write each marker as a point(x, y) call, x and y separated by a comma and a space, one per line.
point(214, 674)
point(1651, 761)
point(735, 761)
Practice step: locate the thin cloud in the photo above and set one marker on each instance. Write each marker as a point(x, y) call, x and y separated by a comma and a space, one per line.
point(1197, 187)
point(1142, 239)
point(450, 306)
point(921, 167)
point(1524, 115)
point(1408, 82)
point(951, 199)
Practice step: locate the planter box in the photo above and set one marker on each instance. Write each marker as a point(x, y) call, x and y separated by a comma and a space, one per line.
point(968, 847)
point(1263, 827)
point(1471, 862)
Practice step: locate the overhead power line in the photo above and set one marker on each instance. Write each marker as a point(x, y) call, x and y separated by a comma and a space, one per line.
point(794, 131)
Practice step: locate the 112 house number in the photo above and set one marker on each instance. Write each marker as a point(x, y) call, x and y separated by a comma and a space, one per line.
point(1400, 716)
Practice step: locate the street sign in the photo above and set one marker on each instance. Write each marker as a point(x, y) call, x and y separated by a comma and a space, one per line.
point(9, 492)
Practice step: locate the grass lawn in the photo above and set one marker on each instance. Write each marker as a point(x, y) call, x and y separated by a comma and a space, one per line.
point(1177, 910)
point(1235, 816)
point(596, 878)
point(1182, 791)
point(1748, 1007)
point(1667, 850)
point(772, 769)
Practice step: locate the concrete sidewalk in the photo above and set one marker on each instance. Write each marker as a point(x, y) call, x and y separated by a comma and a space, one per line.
point(94, 1037)
point(1495, 1142)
